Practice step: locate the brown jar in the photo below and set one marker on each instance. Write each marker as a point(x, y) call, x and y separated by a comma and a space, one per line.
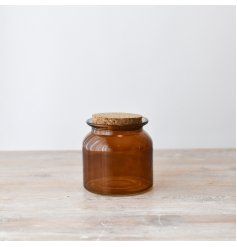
point(117, 157)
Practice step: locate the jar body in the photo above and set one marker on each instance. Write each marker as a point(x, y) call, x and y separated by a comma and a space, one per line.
point(117, 161)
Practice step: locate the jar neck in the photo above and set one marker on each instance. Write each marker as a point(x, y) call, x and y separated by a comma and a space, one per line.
point(111, 131)
point(102, 129)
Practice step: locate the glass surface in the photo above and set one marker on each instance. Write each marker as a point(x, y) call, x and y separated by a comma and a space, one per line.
point(117, 159)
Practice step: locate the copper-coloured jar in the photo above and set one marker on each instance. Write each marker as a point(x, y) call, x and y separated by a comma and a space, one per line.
point(117, 157)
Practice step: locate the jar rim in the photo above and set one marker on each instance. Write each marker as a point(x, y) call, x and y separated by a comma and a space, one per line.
point(118, 127)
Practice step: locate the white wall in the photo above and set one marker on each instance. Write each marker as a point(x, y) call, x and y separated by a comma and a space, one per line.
point(173, 64)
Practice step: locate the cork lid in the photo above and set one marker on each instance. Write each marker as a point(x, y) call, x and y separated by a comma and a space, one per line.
point(116, 118)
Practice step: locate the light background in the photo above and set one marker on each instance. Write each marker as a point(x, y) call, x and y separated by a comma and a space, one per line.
point(173, 64)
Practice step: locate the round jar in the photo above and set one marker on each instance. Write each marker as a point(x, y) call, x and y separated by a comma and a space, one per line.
point(117, 155)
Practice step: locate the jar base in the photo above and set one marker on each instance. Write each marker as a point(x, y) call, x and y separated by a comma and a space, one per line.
point(118, 185)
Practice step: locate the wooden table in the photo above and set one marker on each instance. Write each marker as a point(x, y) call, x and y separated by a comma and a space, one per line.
point(193, 198)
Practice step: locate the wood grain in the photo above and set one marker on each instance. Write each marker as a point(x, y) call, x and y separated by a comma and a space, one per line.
point(193, 198)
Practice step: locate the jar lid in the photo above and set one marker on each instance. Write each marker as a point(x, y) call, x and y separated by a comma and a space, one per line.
point(116, 118)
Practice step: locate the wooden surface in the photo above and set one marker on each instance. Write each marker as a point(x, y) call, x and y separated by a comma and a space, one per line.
point(193, 198)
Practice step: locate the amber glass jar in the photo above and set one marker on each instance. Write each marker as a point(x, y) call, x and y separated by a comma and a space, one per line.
point(117, 159)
